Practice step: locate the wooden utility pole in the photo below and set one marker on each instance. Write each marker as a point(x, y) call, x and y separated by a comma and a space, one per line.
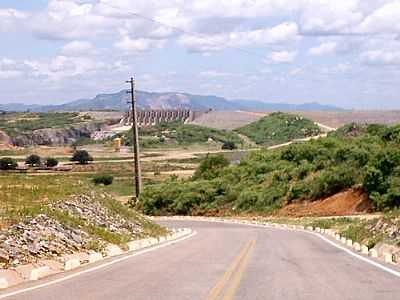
point(135, 140)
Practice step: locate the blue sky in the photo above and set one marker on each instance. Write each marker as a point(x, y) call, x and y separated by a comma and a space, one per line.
point(344, 52)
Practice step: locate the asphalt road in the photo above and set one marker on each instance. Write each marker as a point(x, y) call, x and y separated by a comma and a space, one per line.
point(232, 262)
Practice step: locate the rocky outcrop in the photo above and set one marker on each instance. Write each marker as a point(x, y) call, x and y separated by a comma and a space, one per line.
point(57, 136)
point(45, 237)
point(4, 139)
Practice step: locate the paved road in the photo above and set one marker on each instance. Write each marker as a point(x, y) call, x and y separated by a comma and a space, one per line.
point(232, 262)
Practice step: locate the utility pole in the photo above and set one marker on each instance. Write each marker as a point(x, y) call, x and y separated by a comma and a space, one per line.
point(135, 140)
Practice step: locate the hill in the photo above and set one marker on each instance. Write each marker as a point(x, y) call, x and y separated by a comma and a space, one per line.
point(168, 100)
point(278, 128)
point(179, 134)
point(266, 181)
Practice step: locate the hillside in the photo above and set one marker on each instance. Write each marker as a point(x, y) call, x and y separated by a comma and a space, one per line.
point(266, 181)
point(167, 100)
point(179, 134)
point(278, 128)
point(30, 129)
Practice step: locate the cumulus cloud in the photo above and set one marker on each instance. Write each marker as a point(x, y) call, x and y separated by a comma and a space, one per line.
point(329, 17)
point(381, 57)
point(128, 44)
point(383, 20)
point(281, 33)
point(282, 57)
point(324, 48)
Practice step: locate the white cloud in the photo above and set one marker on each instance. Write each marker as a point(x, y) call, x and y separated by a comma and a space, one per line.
point(381, 57)
point(281, 33)
point(324, 48)
point(283, 57)
point(128, 44)
point(327, 16)
point(78, 48)
point(383, 20)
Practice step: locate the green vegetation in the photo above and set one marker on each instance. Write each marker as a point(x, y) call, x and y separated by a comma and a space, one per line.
point(279, 128)
point(51, 162)
point(33, 160)
point(179, 134)
point(15, 124)
point(7, 163)
point(82, 157)
point(266, 180)
point(103, 179)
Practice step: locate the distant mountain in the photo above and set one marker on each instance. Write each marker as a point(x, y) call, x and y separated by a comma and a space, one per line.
point(264, 106)
point(146, 100)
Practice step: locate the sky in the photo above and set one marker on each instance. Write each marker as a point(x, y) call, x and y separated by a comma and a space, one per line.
point(342, 52)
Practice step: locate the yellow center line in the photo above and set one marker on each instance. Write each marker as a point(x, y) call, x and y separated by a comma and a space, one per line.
point(214, 293)
point(231, 290)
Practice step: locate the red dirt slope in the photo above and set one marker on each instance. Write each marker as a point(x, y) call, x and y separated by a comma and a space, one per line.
point(349, 202)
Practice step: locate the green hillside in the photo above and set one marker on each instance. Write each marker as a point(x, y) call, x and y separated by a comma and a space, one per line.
point(279, 128)
point(180, 134)
point(267, 180)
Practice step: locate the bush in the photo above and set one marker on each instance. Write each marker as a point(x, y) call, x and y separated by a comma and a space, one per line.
point(103, 179)
point(51, 162)
point(332, 181)
point(374, 181)
point(82, 157)
point(33, 160)
point(211, 167)
point(7, 163)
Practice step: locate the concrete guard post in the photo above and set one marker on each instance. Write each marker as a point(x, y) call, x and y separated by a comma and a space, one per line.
point(373, 253)
point(364, 249)
point(71, 264)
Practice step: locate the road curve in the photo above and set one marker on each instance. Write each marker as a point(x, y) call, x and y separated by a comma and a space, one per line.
point(228, 261)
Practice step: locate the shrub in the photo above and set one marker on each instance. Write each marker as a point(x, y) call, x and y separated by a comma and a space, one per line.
point(51, 162)
point(7, 163)
point(33, 160)
point(332, 181)
point(374, 181)
point(82, 157)
point(211, 167)
point(103, 179)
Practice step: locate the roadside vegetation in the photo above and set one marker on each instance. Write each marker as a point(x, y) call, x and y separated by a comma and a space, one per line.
point(278, 128)
point(264, 181)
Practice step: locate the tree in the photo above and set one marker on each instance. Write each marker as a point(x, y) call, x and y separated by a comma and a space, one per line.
point(82, 157)
point(33, 160)
point(51, 162)
point(7, 163)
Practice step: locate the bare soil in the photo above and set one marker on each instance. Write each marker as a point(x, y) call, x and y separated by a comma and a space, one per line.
point(349, 202)
point(327, 119)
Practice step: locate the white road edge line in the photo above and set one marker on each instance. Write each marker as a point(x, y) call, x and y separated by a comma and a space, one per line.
point(348, 251)
point(98, 267)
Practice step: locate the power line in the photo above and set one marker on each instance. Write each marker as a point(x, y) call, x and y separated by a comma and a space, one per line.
point(201, 36)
